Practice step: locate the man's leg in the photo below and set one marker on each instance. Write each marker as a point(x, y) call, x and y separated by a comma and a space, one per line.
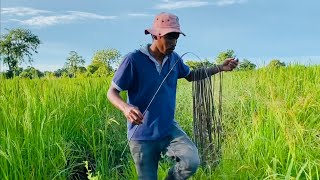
point(146, 155)
point(185, 153)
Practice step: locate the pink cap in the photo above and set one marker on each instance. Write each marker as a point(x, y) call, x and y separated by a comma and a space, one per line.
point(163, 24)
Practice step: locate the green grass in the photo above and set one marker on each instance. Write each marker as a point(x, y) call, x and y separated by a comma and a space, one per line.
point(271, 124)
point(49, 128)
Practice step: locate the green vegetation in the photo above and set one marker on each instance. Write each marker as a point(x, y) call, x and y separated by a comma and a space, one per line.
point(65, 128)
point(246, 65)
point(19, 44)
point(198, 64)
point(104, 62)
point(74, 64)
point(276, 63)
point(224, 55)
point(15, 45)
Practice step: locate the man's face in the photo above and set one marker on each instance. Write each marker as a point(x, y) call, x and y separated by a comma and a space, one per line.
point(167, 43)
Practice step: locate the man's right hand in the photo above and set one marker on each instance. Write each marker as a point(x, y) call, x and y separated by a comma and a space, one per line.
point(133, 114)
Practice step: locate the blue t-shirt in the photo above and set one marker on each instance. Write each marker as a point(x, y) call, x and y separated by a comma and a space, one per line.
point(141, 76)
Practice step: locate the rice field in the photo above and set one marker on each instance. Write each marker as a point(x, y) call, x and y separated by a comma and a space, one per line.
point(67, 129)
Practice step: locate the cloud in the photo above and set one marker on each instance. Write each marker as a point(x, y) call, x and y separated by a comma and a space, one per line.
point(86, 15)
point(170, 4)
point(41, 21)
point(42, 18)
point(3, 21)
point(140, 15)
point(229, 2)
point(22, 11)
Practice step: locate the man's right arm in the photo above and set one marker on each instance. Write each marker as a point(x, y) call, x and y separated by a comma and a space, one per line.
point(132, 113)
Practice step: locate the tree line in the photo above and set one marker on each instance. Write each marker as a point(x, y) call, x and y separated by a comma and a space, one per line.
point(18, 45)
point(245, 64)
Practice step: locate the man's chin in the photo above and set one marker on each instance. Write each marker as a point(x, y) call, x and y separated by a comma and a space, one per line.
point(169, 51)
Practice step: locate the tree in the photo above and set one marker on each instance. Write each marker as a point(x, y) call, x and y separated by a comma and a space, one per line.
point(63, 72)
point(15, 45)
point(48, 74)
point(246, 65)
point(198, 64)
point(74, 62)
point(111, 57)
point(222, 56)
point(31, 73)
point(98, 69)
point(104, 62)
point(275, 63)
point(82, 69)
point(192, 64)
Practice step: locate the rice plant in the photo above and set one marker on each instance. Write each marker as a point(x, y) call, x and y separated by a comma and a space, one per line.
point(66, 128)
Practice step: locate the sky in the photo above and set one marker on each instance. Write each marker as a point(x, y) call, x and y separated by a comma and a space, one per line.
point(257, 30)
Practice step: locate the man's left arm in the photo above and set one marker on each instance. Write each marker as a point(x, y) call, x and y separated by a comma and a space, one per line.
point(228, 65)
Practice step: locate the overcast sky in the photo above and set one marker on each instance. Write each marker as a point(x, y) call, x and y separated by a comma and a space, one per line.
point(258, 30)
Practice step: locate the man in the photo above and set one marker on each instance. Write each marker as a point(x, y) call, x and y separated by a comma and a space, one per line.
point(152, 129)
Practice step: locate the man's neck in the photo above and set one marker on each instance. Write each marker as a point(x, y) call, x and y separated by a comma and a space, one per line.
point(154, 52)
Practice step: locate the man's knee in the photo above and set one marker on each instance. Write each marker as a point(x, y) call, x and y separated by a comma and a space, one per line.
point(186, 168)
point(193, 164)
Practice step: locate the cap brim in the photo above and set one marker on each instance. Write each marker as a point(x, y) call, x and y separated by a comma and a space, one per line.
point(162, 32)
point(149, 31)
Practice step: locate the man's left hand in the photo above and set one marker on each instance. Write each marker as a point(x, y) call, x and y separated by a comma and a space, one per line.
point(229, 64)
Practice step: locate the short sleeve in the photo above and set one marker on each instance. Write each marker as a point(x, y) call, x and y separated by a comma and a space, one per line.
point(123, 77)
point(184, 70)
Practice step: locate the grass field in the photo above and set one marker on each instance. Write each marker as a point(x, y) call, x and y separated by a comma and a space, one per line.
point(52, 128)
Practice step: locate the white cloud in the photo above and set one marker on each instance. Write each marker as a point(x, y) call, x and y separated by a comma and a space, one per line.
point(168, 5)
point(41, 21)
point(229, 2)
point(140, 15)
point(40, 18)
point(22, 11)
point(3, 21)
point(87, 15)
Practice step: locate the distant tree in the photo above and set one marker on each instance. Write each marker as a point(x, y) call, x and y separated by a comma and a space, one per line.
point(275, 63)
point(222, 56)
point(31, 73)
point(82, 69)
point(63, 72)
point(198, 64)
point(111, 57)
point(207, 63)
point(98, 69)
point(246, 65)
point(104, 62)
point(94, 66)
point(48, 74)
point(15, 73)
point(15, 45)
point(74, 62)
point(192, 64)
